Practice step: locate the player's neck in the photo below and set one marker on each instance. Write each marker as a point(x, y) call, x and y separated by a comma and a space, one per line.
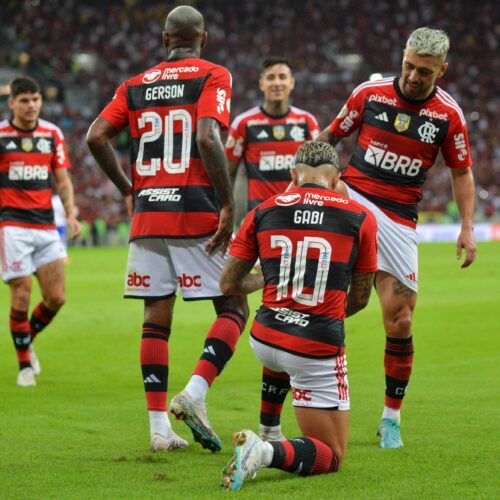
point(24, 125)
point(276, 108)
point(183, 53)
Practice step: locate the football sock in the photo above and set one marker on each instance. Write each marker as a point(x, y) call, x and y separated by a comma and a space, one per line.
point(197, 387)
point(219, 346)
point(304, 456)
point(398, 362)
point(40, 318)
point(159, 423)
point(391, 414)
point(275, 387)
point(20, 330)
point(154, 365)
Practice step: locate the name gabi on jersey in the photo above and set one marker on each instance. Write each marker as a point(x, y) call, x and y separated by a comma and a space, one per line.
point(291, 317)
point(164, 92)
point(308, 217)
point(269, 161)
point(19, 171)
point(161, 194)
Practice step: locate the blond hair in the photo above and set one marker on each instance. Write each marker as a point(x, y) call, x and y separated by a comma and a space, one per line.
point(429, 42)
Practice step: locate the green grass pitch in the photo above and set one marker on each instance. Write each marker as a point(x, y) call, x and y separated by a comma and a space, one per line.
point(83, 431)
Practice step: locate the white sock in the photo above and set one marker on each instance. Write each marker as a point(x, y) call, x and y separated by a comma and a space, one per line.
point(159, 423)
point(273, 429)
point(391, 414)
point(197, 387)
point(267, 454)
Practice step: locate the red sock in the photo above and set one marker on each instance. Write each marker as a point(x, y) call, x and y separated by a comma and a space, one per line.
point(20, 330)
point(275, 387)
point(220, 344)
point(304, 456)
point(154, 365)
point(398, 362)
point(40, 318)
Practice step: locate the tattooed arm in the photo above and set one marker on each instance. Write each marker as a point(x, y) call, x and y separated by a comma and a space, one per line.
point(64, 189)
point(359, 292)
point(327, 136)
point(236, 280)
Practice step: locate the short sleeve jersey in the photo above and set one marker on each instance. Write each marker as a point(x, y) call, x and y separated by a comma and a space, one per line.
point(267, 145)
point(398, 142)
point(27, 161)
point(173, 195)
point(309, 241)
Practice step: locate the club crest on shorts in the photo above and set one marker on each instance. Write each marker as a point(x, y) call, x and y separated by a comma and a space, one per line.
point(27, 144)
point(402, 122)
point(279, 132)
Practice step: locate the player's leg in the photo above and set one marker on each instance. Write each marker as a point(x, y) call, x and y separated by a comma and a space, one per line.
point(398, 303)
point(275, 387)
point(151, 277)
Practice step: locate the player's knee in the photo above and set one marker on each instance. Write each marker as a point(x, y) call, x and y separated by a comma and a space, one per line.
point(401, 323)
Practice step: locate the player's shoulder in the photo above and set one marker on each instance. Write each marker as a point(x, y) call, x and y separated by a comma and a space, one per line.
point(450, 104)
point(46, 126)
point(246, 116)
point(5, 124)
point(302, 112)
point(374, 86)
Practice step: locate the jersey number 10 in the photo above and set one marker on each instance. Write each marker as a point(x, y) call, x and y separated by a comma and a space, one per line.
point(167, 130)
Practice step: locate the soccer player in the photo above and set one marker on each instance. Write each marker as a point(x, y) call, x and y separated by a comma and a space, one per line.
point(32, 150)
point(403, 123)
point(265, 139)
point(314, 244)
point(182, 206)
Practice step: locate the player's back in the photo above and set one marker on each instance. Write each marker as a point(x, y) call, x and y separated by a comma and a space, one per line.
point(173, 195)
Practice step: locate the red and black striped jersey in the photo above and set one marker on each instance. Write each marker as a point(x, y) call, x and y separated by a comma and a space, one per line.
point(173, 195)
point(309, 241)
point(27, 160)
point(267, 145)
point(399, 140)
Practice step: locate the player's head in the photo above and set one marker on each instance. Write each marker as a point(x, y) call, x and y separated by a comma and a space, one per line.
point(318, 163)
point(184, 29)
point(276, 79)
point(25, 101)
point(424, 61)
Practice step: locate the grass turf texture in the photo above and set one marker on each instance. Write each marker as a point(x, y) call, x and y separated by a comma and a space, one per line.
point(83, 431)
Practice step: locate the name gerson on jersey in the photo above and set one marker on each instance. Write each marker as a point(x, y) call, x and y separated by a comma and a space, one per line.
point(173, 195)
point(27, 160)
point(267, 145)
point(309, 241)
point(398, 142)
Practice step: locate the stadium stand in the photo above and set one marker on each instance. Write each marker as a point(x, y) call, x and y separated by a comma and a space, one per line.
point(81, 50)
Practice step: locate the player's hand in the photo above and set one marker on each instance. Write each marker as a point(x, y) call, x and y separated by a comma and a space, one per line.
point(74, 227)
point(222, 236)
point(129, 203)
point(466, 242)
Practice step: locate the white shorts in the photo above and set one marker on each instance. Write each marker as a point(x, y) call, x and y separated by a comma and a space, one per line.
point(397, 245)
point(316, 383)
point(23, 250)
point(159, 267)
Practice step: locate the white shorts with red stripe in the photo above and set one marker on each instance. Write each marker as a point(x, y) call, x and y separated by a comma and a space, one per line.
point(397, 245)
point(159, 267)
point(23, 250)
point(316, 383)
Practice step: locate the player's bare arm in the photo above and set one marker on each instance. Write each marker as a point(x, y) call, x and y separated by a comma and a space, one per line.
point(64, 188)
point(327, 136)
point(463, 190)
point(215, 162)
point(359, 292)
point(232, 171)
point(98, 139)
point(236, 280)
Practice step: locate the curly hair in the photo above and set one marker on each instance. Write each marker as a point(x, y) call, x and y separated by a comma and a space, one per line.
point(315, 154)
point(429, 42)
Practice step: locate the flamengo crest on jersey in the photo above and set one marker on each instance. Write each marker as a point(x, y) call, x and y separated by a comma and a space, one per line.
point(399, 140)
point(173, 195)
point(267, 145)
point(27, 160)
point(309, 241)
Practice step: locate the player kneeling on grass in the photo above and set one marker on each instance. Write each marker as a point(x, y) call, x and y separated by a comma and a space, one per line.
point(317, 248)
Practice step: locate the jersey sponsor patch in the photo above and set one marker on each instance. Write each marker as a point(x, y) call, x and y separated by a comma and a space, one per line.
point(287, 199)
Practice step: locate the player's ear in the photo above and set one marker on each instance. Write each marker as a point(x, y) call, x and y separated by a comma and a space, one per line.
point(443, 69)
point(11, 103)
point(294, 175)
point(165, 40)
point(204, 38)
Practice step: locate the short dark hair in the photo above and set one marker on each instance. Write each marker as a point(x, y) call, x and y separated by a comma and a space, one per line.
point(22, 85)
point(314, 154)
point(272, 60)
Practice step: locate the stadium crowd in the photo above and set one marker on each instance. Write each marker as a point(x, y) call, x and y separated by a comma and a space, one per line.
point(83, 49)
